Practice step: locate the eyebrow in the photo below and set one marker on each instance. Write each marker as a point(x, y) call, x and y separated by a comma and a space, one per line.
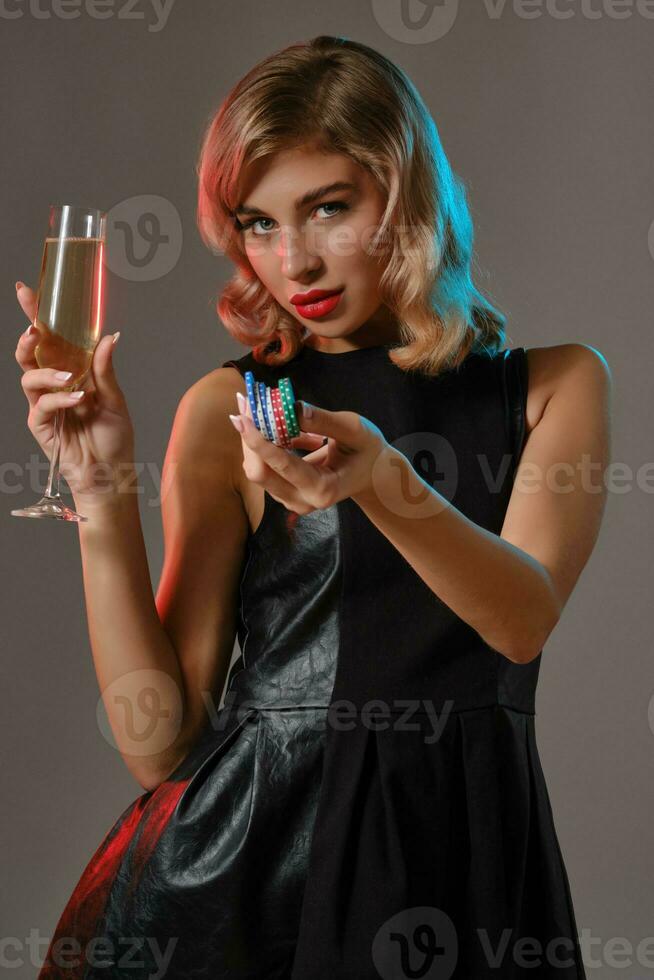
point(308, 198)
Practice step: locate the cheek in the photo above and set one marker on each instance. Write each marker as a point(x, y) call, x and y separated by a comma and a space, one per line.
point(361, 250)
point(262, 261)
point(364, 262)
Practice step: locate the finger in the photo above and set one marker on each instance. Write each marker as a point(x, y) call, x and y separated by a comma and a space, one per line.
point(27, 343)
point(293, 470)
point(346, 428)
point(253, 464)
point(27, 299)
point(101, 373)
point(36, 382)
point(43, 412)
point(244, 405)
point(259, 472)
point(282, 490)
point(25, 355)
point(307, 440)
point(317, 456)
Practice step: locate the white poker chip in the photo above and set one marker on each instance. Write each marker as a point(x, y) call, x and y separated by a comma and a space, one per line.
point(271, 418)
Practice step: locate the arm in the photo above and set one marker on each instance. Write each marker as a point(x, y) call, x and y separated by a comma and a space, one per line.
point(512, 588)
point(155, 658)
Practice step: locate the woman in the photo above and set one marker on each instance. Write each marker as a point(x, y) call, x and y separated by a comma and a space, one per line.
point(369, 800)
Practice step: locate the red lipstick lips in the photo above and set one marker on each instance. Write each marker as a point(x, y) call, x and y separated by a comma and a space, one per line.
point(312, 296)
point(317, 302)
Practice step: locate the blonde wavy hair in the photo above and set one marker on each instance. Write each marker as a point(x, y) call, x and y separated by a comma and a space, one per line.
point(363, 106)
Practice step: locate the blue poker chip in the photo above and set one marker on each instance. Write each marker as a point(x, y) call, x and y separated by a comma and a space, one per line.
point(250, 386)
point(260, 417)
point(264, 405)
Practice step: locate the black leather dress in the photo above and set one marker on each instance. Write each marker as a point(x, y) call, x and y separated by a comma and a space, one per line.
point(369, 801)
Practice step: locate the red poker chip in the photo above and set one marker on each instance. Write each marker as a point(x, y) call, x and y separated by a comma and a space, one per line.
point(280, 418)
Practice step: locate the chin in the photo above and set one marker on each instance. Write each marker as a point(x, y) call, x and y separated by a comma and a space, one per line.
point(327, 334)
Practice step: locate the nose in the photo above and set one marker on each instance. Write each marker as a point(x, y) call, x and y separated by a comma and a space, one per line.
point(298, 259)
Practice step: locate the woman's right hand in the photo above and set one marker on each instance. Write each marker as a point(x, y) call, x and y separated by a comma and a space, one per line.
point(97, 438)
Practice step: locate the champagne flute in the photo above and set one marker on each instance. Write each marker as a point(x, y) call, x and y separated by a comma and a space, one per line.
point(69, 317)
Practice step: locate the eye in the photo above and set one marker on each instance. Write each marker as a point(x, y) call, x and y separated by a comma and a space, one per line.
point(254, 222)
point(333, 204)
point(339, 205)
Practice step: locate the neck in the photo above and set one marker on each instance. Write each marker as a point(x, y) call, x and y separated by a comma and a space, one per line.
point(380, 330)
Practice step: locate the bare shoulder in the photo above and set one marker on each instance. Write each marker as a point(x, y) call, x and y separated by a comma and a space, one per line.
point(206, 405)
point(216, 391)
point(574, 371)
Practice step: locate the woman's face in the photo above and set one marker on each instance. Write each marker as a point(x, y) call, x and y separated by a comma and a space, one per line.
point(321, 243)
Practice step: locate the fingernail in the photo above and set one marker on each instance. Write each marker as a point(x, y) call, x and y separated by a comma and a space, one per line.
point(75, 394)
point(63, 375)
point(237, 422)
point(19, 285)
point(305, 408)
point(241, 402)
point(31, 330)
point(116, 336)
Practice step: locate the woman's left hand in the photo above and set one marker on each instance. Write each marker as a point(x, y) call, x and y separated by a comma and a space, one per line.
point(329, 473)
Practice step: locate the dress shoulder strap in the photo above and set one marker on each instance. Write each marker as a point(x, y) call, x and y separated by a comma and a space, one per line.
point(515, 384)
point(237, 362)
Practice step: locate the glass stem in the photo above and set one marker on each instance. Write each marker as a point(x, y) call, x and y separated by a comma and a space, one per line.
point(53, 476)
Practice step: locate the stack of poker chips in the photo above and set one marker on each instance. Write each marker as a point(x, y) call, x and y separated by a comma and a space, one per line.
point(273, 411)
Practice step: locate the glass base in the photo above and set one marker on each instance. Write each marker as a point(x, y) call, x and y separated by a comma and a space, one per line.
point(52, 507)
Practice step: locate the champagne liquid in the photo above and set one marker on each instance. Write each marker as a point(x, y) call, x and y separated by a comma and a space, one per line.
point(70, 306)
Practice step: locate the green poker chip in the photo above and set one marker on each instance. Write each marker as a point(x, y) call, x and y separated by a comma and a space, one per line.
point(288, 398)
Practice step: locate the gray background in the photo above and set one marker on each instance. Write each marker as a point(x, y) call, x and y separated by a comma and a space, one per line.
point(549, 121)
